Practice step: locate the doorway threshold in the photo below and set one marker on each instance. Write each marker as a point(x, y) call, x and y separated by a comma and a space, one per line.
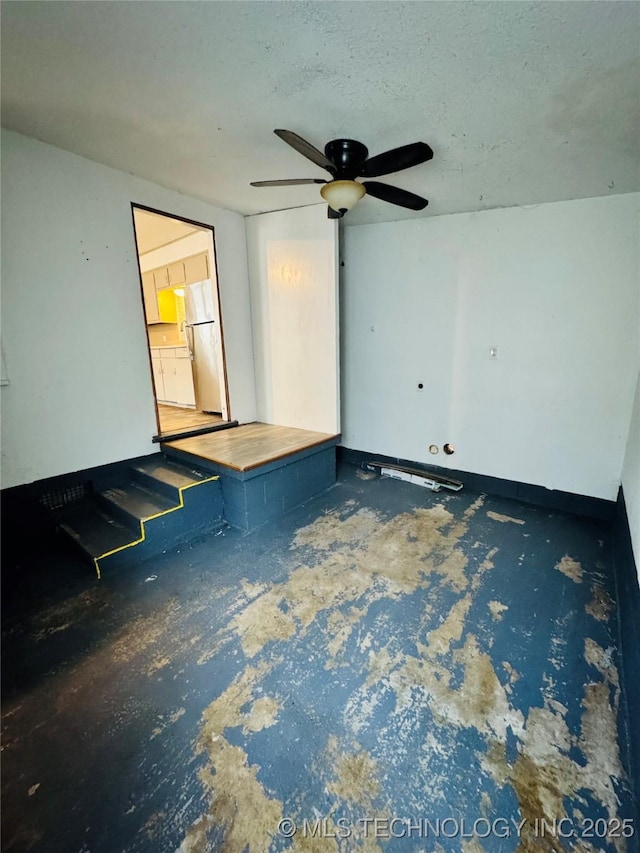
point(190, 433)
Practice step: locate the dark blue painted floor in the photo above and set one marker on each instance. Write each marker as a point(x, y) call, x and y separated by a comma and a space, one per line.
point(386, 669)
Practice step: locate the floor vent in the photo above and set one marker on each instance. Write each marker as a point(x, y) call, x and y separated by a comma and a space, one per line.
point(58, 498)
point(417, 476)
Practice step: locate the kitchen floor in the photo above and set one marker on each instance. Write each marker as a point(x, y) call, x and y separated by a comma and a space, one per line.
point(385, 669)
point(174, 419)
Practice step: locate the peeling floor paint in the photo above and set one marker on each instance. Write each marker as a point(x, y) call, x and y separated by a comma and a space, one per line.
point(571, 568)
point(497, 516)
point(497, 609)
point(386, 654)
point(601, 605)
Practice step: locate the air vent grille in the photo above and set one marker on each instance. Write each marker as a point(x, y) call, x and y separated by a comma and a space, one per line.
point(58, 498)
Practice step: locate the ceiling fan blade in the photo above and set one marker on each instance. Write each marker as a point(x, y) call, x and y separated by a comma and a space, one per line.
point(334, 214)
point(396, 160)
point(395, 195)
point(306, 149)
point(293, 182)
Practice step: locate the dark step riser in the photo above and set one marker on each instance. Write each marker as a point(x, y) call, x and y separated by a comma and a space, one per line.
point(151, 549)
point(77, 546)
point(135, 503)
point(177, 513)
point(154, 485)
point(201, 515)
point(172, 454)
point(121, 514)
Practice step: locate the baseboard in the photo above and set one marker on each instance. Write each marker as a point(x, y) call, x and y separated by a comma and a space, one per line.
point(629, 641)
point(526, 492)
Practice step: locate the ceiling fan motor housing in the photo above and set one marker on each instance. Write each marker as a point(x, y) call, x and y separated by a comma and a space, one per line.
point(347, 155)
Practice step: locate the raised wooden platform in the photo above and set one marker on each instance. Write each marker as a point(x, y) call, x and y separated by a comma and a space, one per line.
point(251, 445)
point(264, 470)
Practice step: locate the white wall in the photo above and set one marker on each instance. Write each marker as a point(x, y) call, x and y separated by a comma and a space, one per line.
point(73, 329)
point(631, 477)
point(293, 273)
point(555, 287)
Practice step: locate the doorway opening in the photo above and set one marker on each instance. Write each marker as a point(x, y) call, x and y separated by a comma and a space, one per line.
point(181, 299)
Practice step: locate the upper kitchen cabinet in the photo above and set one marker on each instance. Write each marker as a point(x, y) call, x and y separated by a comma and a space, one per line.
point(159, 305)
point(150, 298)
point(161, 277)
point(158, 285)
point(176, 273)
point(185, 271)
point(196, 268)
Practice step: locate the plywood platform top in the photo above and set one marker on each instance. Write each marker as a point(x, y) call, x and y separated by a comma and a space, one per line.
point(251, 445)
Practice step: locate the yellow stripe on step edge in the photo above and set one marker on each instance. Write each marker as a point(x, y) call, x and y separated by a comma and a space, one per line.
point(143, 521)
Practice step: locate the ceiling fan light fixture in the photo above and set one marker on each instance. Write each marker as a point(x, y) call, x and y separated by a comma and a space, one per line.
point(342, 195)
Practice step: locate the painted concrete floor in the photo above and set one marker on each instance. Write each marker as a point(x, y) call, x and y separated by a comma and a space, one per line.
point(389, 669)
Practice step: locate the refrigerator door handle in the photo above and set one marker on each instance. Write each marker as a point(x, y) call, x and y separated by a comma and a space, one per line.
point(189, 339)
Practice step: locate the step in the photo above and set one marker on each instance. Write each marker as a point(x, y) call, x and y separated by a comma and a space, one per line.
point(108, 524)
point(92, 529)
point(133, 503)
point(167, 478)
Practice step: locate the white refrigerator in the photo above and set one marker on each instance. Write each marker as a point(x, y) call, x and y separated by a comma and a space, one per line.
point(202, 334)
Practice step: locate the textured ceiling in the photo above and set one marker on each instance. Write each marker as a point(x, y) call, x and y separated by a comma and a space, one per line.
point(521, 102)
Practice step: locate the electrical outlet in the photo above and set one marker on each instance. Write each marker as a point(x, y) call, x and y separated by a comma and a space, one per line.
point(493, 352)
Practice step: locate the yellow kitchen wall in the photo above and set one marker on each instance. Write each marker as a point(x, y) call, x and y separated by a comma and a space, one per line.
point(167, 306)
point(165, 334)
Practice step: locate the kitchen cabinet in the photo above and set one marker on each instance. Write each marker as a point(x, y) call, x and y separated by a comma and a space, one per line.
point(159, 306)
point(177, 274)
point(178, 380)
point(173, 376)
point(182, 272)
point(158, 284)
point(161, 277)
point(150, 298)
point(196, 268)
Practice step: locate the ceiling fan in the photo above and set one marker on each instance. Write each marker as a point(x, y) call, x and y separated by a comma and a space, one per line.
point(346, 160)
